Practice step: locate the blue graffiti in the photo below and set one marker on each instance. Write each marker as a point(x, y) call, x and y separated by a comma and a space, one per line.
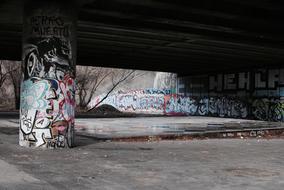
point(33, 94)
point(157, 91)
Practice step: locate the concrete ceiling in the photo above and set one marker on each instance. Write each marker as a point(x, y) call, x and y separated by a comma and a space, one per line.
point(187, 37)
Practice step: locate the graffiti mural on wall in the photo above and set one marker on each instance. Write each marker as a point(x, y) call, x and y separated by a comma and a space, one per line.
point(258, 79)
point(48, 87)
point(184, 105)
point(219, 106)
point(257, 108)
point(140, 101)
point(228, 107)
point(213, 106)
point(256, 94)
point(268, 109)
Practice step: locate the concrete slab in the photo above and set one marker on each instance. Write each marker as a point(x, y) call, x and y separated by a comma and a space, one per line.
point(218, 164)
point(151, 126)
point(13, 178)
point(109, 128)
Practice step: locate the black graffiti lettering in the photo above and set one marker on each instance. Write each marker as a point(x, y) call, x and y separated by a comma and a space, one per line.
point(47, 21)
point(42, 31)
point(28, 123)
point(47, 26)
point(34, 21)
point(244, 81)
point(41, 121)
point(61, 31)
point(216, 82)
point(57, 142)
point(273, 79)
point(230, 82)
point(258, 80)
point(42, 61)
point(48, 31)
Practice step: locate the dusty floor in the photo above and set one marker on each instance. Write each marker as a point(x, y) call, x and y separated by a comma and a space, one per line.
point(149, 126)
point(252, 164)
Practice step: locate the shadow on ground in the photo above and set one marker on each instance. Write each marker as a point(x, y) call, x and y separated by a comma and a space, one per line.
point(84, 140)
point(9, 130)
point(81, 140)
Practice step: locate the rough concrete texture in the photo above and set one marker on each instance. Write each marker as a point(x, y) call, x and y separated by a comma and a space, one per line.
point(108, 128)
point(150, 126)
point(234, 164)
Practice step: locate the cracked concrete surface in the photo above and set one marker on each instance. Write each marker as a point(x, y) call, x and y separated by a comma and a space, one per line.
point(215, 164)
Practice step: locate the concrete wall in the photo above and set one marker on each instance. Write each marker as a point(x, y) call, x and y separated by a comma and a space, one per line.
point(143, 94)
point(150, 101)
point(255, 94)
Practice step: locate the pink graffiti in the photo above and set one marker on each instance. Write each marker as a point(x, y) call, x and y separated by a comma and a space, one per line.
point(67, 104)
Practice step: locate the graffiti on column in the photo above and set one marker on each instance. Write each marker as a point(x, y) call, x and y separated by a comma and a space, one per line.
point(47, 58)
point(48, 89)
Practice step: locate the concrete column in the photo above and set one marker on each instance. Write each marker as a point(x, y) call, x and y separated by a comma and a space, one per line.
point(48, 86)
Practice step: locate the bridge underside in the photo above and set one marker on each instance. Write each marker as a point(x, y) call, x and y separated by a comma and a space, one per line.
point(187, 37)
